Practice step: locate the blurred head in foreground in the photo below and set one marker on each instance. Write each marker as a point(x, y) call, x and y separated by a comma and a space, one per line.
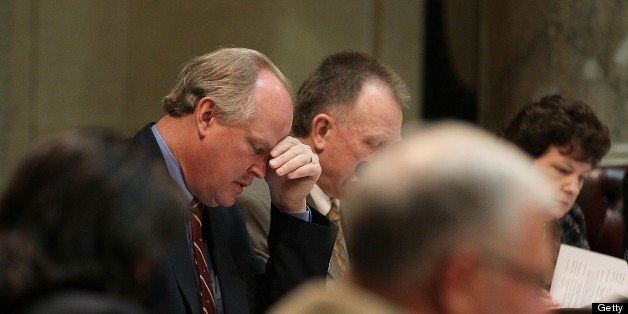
point(70, 220)
point(451, 220)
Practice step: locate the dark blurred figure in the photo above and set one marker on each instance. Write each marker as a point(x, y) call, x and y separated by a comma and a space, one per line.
point(567, 140)
point(70, 240)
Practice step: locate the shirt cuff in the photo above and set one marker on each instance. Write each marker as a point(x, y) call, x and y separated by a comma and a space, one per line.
point(306, 215)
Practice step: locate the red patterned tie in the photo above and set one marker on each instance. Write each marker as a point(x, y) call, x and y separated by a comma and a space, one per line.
point(204, 277)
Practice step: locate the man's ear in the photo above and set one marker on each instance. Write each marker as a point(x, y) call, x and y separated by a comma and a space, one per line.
point(204, 113)
point(322, 125)
point(459, 278)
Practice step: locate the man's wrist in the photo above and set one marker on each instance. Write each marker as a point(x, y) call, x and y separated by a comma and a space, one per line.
point(294, 208)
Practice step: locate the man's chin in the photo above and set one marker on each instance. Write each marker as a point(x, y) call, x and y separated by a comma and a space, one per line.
point(227, 201)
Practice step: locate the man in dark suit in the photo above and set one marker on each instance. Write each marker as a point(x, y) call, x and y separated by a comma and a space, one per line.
point(227, 121)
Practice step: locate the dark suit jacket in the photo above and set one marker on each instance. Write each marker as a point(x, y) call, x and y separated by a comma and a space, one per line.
point(299, 250)
point(254, 204)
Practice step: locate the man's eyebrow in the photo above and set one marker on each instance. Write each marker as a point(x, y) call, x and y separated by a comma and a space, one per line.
point(260, 144)
point(266, 146)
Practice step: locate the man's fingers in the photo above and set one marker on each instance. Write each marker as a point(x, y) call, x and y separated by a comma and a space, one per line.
point(290, 154)
point(310, 170)
point(284, 145)
point(296, 162)
point(294, 169)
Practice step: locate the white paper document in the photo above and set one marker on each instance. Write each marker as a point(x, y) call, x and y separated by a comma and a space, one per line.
point(583, 277)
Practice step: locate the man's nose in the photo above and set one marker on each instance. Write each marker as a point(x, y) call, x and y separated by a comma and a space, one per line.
point(258, 168)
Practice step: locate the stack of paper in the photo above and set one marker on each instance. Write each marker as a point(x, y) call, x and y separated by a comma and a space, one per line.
point(583, 277)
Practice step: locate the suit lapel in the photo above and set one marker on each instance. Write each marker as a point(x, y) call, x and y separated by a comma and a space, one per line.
point(232, 286)
point(185, 275)
point(180, 260)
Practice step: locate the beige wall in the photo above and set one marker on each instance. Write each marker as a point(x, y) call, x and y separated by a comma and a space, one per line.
point(69, 63)
point(578, 48)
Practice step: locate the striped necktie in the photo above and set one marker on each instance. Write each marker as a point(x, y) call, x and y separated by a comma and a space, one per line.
point(339, 249)
point(204, 277)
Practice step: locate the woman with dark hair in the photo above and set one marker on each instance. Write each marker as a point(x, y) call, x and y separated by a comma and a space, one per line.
point(566, 140)
point(80, 222)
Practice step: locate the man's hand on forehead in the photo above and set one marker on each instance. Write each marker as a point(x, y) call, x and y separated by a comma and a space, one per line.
point(294, 169)
point(294, 159)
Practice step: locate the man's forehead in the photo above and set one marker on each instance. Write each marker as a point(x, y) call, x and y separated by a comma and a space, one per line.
point(273, 109)
point(264, 138)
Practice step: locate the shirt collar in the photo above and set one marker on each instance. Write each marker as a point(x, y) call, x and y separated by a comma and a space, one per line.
point(321, 201)
point(174, 169)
